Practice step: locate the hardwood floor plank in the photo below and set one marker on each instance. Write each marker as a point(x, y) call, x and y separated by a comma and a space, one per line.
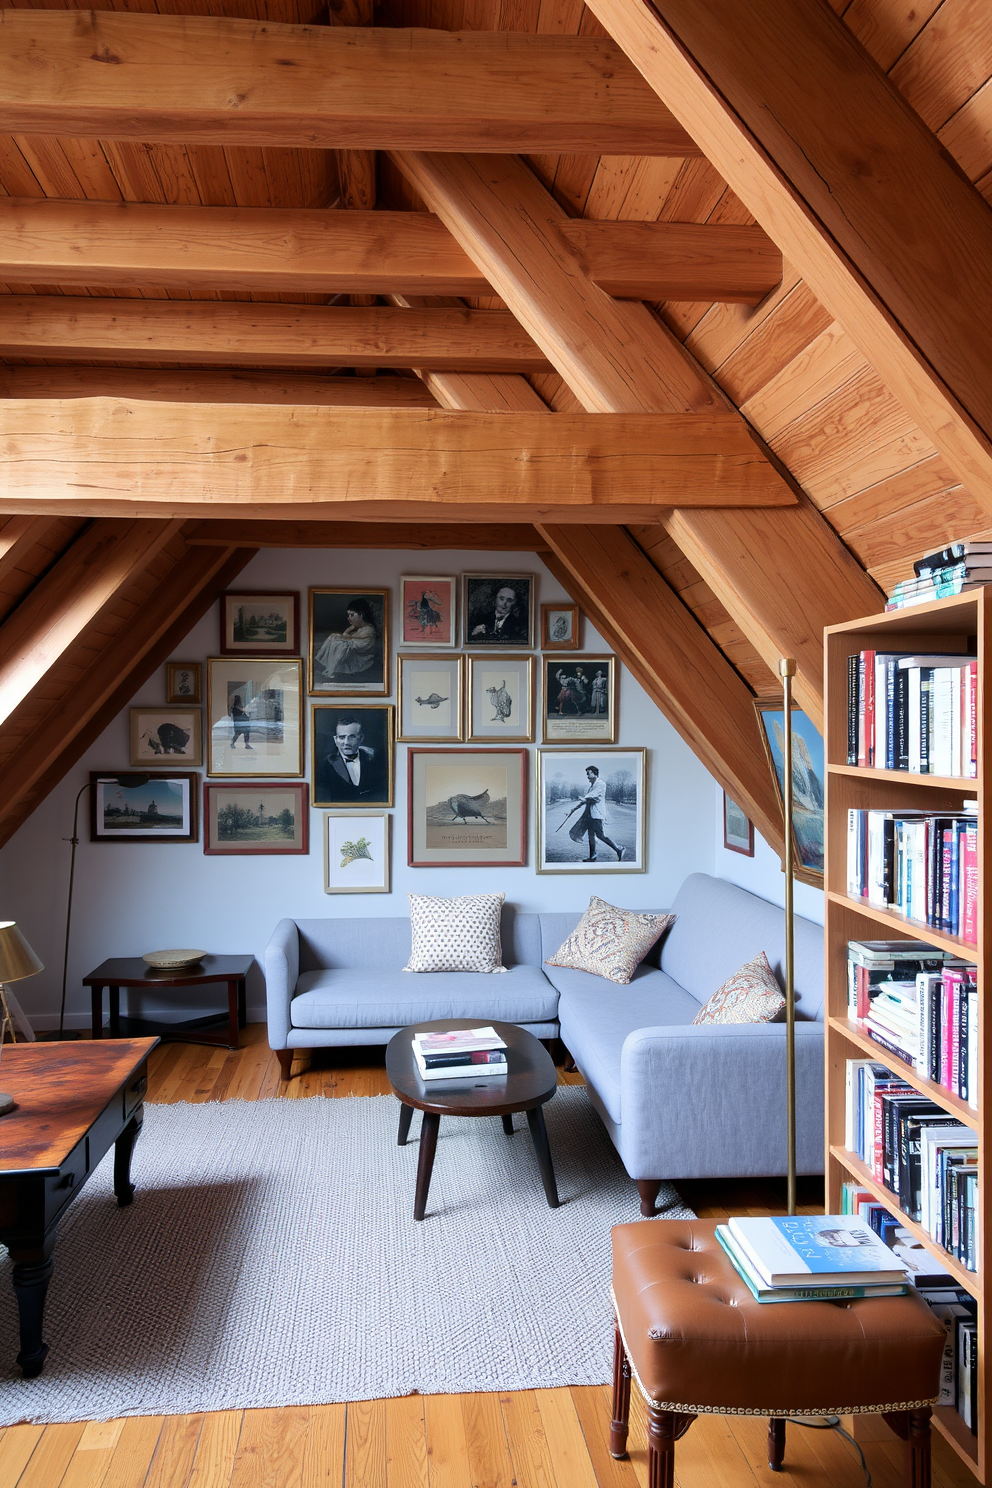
point(447, 1453)
point(216, 1449)
point(713, 1456)
point(594, 1411)
point(16, 1446)
point(51, 1457)
point(365, 1444)
point(269, 1453)
point(134, 1452)
point(565, 1440)
point(323, 1448)
point(406, 1443)
point(532, 1460)
point(489, 1460)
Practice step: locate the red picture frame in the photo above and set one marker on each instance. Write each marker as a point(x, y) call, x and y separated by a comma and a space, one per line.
point(214, 789)
point(481, 763)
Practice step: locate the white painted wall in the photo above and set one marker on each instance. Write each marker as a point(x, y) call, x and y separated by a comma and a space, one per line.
point(135, 897)
point(762, 874)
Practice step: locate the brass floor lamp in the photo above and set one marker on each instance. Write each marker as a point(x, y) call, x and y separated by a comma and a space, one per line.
point(787, 670)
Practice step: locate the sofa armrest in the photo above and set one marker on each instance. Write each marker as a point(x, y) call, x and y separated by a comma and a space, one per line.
point(281, 963)
point(708, 1100)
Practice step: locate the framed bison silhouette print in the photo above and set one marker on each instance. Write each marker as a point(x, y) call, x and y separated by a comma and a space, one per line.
point(166, 736)
point(467, 808)
point(500, 699)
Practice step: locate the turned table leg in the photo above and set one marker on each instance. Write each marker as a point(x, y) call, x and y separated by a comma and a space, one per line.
point(32, 1271)
point(425, 1164)
point(621, 1399)
point(406, 1116)
point(123, 1148)
point(776, 1443)
point(539, 1136)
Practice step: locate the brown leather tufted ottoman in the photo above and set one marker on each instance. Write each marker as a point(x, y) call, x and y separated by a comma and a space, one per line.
point(698, 1343)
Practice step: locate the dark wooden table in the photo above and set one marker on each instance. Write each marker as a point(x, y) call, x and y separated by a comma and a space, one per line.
point(131, 971)
point(74, 1102)
point(531, 1080)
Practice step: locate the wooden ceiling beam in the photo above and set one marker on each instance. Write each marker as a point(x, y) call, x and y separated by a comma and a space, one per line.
point(84, 328)
point(52, 743)
point(227, 386)
point(861, 197)
point(104, 456)
point(47, 621)
point(496, 537)
point(211, 80)
point(780, 580)
point(284, 250)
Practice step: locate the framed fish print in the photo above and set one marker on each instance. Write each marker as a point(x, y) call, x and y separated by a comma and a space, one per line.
point(579, 702)
point(349, 642)
point(248, 820)
point(559, 627)
point(427, 610)
point(183, 682)
point(166, 736)
point(258, 622)
point(592, 806)
point(356, 852)
point(807, 783)
point(254, 724)
point(139, 808)
point(429, 692)
point(498, 610)
point(466, 808)
point(501, 699)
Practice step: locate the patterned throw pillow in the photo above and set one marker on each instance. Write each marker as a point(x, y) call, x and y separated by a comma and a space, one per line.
point(610, 942)
point(751, 995)
point(460, 934)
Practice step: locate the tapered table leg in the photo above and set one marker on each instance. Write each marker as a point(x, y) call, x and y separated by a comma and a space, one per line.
point(621, 1399)
point(776, 1443)
point(406, 1116)
point(539, 1136)
point(123, 1148)
point(32, 1271)
point(425, 1165)
point(96, 1017)
point(508, 1125)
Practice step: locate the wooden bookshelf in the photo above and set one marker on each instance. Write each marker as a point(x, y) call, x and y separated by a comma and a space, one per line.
point(961, 624)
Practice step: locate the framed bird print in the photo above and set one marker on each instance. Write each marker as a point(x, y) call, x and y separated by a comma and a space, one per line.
point(501, 699)
point(467, 808)
point(427, 605)
point(429, 692)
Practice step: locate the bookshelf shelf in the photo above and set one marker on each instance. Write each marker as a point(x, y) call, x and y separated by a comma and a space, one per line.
point(962, 624)
point(939, 1094)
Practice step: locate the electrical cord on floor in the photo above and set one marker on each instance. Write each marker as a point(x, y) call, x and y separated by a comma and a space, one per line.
point(832, 1423)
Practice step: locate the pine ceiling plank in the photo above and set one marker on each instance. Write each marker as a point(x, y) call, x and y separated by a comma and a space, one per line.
point(52, 615)
point(811, 378)
point(88, 329)
point(203, 79)
point(947, 61)
point(907, 534)
point(885, 28)
point(921, 480)
point(767, 346)
point(968, 135)
point(226, 386)
point(28, 548)
point(852, 186)
point(616, 355)
point(99, 456)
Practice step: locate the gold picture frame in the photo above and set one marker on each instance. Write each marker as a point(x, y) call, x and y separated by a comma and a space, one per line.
point(808, 783)
point(348, 648)
point(498, 714)
point(562, 781)
point(269, 690)
point(350, 858)
point(423, 715)
point(331, 784)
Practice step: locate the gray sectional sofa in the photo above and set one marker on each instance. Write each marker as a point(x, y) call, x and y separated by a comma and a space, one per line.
point(679, 1101)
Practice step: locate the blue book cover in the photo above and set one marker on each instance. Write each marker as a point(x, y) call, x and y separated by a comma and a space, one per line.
point(792, 1249)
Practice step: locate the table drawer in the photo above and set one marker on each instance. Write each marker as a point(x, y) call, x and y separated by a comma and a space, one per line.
point(135, 1089)
point(69, 1179)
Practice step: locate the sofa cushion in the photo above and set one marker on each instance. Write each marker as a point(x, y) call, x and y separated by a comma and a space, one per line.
point(359, 998)
point(595, 1020)
point(458, 934)
point(751, 995)
point(610, 942)
point(384, 942)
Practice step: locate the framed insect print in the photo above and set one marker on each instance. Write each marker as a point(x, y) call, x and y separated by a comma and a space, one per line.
point(427, 610)
point(254, 724)
point(356, 852)
point(500, 699)
point(258, 622)
point(429, 692)
point(262, 818)
point(559, 627)
point(349, 642)
point(467, 808)
point(579, 699)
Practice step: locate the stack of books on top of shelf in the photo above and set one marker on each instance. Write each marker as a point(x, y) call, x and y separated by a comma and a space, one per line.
point(923, 864)
point(459, 1052)
point(921, 1005)
point(918, 713)
point(956, 1308)
point(953, 570)
point(810, 1258)
point(921, 1153)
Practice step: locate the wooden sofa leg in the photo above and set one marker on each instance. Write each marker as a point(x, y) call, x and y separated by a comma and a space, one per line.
point(664, 1430)
point(285, 1058)
point(914, 1428)
point(569, 1065)
point(621, 1399)
point(648, 1188)
point(776, 1443)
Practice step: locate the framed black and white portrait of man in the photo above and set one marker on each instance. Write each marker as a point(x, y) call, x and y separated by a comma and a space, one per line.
point(498, 610)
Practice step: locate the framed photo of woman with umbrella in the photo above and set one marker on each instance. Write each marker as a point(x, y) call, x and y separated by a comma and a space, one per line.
point(349, 642)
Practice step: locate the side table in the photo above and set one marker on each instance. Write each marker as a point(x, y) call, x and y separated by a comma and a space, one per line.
point(131, 971)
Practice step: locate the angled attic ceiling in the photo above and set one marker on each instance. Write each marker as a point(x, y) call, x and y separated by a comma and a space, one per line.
point(176, 257)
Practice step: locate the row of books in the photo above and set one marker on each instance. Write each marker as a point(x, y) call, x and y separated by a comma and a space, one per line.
point(920, 1004)
point(918, 713)
point(811, 1257)
point(954, 570)
point(923, 864)
point(919, 1152)
point(452, 1055)
point(955, 1307)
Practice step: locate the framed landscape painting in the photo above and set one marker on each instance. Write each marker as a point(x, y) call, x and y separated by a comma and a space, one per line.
point(166, 736)
point(579, 699)
point(807, 783)
point(592, 806)
point(427, 610)
point(501, 699)
point(429, 698)
point(498, 609)
point(258, 622)
point(467, 808)
point(351, 754)
point(738, 830)
point(356, 852)
point(161, 809)
point(253, 709)
point(183, 682)
point(254, 819)
point(349, 641)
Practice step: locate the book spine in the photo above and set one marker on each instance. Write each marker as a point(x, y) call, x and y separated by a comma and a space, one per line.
point(944, 912)
point(973, 720)
point(869, 693)
point(926, 700)
point(901, 759)
point(889, 1045)
point(454, 1060)
point(969, 925)
point(890, 714)
point(853, 670)
point(972, 1050)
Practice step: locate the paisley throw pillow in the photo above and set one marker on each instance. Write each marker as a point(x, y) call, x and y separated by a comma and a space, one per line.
point(610, 942)
point(751, 995)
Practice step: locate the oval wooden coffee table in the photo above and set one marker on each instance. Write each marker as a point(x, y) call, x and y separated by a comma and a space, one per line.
point(531, 1080)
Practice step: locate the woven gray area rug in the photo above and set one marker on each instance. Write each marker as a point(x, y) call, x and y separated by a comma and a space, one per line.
point(271, 1258)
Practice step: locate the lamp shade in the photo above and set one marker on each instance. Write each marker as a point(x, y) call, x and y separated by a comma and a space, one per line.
point(17, 959)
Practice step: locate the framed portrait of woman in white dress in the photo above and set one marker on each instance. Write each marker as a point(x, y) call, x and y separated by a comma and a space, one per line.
point(349, 642)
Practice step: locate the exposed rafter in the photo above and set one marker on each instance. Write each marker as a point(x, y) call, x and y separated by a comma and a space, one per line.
point(855, 189)
point(205, 79)
point(102, 456)
point(496, 537)
point(229, 385)
point(94, 244)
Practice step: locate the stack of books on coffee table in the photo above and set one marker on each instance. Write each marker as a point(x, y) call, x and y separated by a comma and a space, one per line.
point(812, 1257)
point(459, 1052)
